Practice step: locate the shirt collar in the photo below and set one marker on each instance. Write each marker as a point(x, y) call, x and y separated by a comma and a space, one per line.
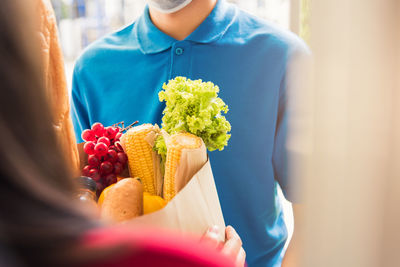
point(152, 40)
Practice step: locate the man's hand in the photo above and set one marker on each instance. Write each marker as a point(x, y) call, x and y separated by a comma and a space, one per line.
point(232, 247)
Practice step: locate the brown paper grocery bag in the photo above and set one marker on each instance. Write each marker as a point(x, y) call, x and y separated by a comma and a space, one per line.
point(193, 210)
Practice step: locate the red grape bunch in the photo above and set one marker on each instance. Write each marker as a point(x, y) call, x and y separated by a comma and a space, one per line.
point(106, 158)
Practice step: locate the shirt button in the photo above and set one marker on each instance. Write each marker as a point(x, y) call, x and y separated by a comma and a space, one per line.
point(179, 51)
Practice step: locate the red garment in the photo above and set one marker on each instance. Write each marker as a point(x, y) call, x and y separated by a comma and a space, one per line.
point(147, 247)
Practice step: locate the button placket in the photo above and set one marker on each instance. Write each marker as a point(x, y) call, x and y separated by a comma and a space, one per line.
point(180, 59)
point(179, 51)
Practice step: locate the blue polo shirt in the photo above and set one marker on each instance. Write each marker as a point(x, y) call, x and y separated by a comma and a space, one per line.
point(119, 76)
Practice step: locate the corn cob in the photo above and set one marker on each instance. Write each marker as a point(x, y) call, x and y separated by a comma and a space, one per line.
point(175, 146)
point(140, 155)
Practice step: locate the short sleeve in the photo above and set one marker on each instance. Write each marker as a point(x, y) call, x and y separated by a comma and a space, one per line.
point(79, 111)
point(293, 128)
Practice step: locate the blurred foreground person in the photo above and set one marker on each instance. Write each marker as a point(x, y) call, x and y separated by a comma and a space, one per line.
point(40, 224)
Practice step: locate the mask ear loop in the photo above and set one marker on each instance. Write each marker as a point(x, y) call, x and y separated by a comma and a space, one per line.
point(171, 10)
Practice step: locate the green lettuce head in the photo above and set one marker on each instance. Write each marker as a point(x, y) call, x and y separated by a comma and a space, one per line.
point(194, 107)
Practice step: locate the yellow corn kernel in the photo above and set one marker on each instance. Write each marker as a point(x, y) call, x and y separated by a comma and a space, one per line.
point(176, 144)
point(140, 155)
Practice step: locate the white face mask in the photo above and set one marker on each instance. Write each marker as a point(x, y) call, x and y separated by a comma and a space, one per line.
point(168, 6)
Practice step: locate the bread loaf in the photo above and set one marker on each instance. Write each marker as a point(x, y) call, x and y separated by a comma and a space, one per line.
point(56, 83)
point(124, 201)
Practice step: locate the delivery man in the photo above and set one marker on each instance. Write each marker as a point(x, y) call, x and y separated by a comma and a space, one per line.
point(118, 78)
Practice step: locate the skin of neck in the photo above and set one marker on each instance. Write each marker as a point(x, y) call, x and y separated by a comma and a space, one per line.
point(182, 23)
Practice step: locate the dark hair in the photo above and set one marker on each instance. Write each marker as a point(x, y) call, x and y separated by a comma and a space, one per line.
point(38, 220)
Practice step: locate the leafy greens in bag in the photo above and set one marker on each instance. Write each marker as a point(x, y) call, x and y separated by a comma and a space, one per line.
point(194, 107)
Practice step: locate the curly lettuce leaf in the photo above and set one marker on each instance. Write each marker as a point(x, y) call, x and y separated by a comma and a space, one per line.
point(194, 107)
